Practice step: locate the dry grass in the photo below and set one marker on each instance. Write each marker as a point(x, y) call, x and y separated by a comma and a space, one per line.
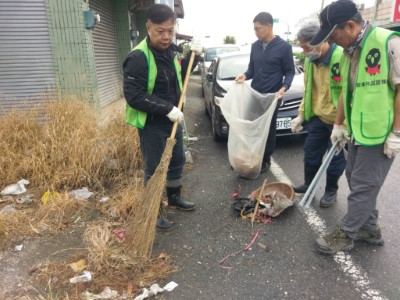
point(69, 150)
point(40, 219)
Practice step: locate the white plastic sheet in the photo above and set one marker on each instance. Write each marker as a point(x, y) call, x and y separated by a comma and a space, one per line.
point(248, 114)
point(16, 188)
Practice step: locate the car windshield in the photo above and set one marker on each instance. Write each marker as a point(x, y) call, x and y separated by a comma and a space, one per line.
point(212, 53)
point(232, 66)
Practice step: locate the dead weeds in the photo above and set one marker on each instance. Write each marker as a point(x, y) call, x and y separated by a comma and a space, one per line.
point(60, 147)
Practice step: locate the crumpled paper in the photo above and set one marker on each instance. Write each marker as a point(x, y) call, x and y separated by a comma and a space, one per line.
point(152, 291)
point(107, 293)
point(16, 188)
point(81, 194)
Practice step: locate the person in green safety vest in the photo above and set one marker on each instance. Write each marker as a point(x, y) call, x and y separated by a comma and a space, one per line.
point(370, 104)
point(153, 78)
point(322, 81)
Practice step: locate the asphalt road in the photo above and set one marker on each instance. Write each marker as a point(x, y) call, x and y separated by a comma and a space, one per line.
point(291, 268)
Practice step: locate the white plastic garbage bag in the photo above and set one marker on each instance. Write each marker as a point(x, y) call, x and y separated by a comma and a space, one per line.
point(248, 114)
point(16, 188)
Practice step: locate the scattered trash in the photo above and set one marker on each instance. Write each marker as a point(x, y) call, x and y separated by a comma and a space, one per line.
point(276, 198)
point(152, 291)
point(47, 197)
point(262, 246)
point(85, 277)
point(237, 193)
point(81, 194)
point(16, 188)
point(107, 293)
point(7, 210)
point(104, 199)
point(18, 248)
point(235, 253)
point(78, 266)
point(120, 233)
point(27, 199)
point(170, 286)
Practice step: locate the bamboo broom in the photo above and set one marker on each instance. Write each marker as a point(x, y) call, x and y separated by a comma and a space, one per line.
point(142, 240)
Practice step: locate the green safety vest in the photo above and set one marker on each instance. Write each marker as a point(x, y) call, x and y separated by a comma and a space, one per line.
point(335, 81)
point(369, 111)
point(135, 117)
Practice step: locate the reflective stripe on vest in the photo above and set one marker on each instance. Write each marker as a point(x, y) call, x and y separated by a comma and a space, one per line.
point(335, 81)
point(135, 117)
point(369, 111)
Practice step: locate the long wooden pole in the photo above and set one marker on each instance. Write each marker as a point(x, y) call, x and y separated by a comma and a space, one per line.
point(183, 94)
point(258, 202)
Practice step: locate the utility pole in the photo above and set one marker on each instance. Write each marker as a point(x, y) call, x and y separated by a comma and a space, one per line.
point(322, 5)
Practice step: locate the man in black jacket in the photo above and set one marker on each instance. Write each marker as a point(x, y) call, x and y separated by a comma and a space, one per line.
point(272, 69)
point(153, 78)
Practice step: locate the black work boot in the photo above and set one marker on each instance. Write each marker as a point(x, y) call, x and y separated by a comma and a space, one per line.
point(175, 200)
point(329, 198)
point(309, 174)
point(162, 221)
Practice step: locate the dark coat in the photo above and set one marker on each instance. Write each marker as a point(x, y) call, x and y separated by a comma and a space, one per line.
point(166, 91)
point(272, 68)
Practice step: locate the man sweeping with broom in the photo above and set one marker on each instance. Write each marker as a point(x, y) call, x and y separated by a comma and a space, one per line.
point(153, 79)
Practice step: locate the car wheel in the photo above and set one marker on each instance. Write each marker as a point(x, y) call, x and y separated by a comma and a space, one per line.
point(216, 136)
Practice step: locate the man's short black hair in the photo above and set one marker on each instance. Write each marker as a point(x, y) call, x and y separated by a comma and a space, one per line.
point(159, 13)
point(264, 18)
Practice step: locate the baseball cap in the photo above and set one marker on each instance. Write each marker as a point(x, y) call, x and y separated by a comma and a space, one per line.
point(335, 13)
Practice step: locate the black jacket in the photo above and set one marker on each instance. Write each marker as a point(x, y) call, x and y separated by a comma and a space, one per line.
point(166, 91)
point(272, 68)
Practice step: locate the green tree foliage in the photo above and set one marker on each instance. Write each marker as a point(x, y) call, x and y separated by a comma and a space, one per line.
point(229, 40)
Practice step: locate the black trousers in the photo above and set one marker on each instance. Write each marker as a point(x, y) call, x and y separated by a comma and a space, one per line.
point(153, 139)
point(318, 141)
point(271, 140)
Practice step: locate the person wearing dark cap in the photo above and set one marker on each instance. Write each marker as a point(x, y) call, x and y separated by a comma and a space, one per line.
point(153, 78)
point(271, 67)
point(323, 86)
point(370, 104)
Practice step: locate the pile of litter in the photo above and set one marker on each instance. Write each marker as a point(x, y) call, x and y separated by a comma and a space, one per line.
point(276, 197)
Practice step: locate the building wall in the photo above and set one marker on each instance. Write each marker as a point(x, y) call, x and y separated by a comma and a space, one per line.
point(122, 21)
point(72, 48)
point(27, 76)
point(381, 15)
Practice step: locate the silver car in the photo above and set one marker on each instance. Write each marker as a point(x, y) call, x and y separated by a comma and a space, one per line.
point(210, 53)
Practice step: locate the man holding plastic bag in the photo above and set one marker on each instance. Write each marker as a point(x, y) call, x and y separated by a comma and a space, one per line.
point(271, 69)
point(248, 114)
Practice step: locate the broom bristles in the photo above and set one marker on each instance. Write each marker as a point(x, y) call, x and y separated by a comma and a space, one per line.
point(143, 232)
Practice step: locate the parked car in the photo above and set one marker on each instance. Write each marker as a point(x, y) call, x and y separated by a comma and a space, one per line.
point(210, 53)
point(219, 78)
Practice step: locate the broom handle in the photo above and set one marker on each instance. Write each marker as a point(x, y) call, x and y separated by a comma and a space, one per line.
point(258, 202)
point(185, 84)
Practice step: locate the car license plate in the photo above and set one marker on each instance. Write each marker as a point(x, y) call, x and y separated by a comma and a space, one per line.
point(283, 123)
